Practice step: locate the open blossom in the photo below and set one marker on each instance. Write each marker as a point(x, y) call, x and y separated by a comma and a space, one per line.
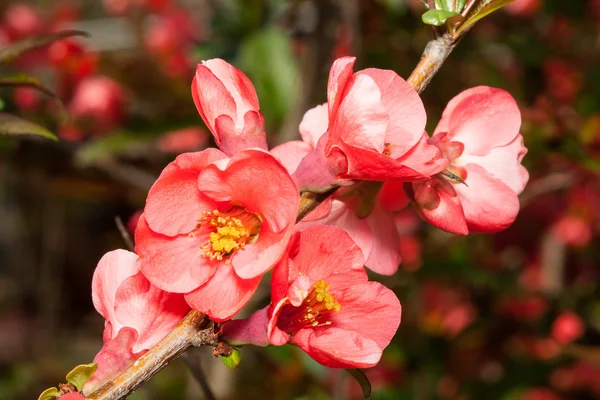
point(323, 303)
point(372, 128)
point(228, 104)
point(213, 225)
point(138, 315)
point(479, 134)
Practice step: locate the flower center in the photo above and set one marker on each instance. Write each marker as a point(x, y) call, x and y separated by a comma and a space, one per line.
point(227, 232)
point(316, 310)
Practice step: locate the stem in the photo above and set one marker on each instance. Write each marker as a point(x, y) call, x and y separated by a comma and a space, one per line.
point(193, 362)
point(190, 332)
point(436, 52)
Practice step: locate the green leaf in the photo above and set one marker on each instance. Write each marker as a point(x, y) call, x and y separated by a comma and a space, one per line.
point(266, 57)
point(362, 380)
point(49, 394)
point(25, 80)
point(1, 104)
point(112, 146)
point(484, 11)
point(12, 52)
point(437, 17)
point(233, 360)
point(461, 5)
point(11, 125)
point(81, 374)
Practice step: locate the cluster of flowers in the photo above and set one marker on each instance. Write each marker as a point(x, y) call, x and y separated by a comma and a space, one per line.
point(216, 221)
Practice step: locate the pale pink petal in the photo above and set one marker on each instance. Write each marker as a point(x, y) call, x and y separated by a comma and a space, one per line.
point(252, 330)
point(114, 357)
point(339, 74)
point(361, 120)
point(319, 173)
point(425, 158)
point(259, 257)
point(299, 289)
point(289, 154)
point(152, 312)
point(374, 305)
point(447, 213)
point(504, 163)
point(489, 205)
point(277, 337)
point(113, 269)
point(234, 139)
point(172, 264)
point(336, 259)
point(314, 125)
point(344, 216)
point(174, 202)
point(321, 211)
point(223, 295)
point(212, 98)
point(276, 201)
point(384, 257)
point(338, 348)
point(481, 118)
point(404, 107)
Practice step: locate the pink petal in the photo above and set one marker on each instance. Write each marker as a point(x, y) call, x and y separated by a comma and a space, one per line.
point(314, 125)
point(259, 257)
point(114, 357)
point(489, 204)
point(152, 312)
point(211, 98)
point(344, 216)
point(113, 269)
point(234, 139)
point(252, 330)
point(504, 163)
point(361, 120)
point(481, 118)
point(338, 348)
point(404, 107)
point(257, 181)
point(172, 264)
point(425, 158)
point(277, 337)
point(392, 196)
point(223, 295)
point(340, 73)
point(289, 154)
point(319, 173)
point(328, 253)
point(372, 304)
point(448, 213)
point(384, 257)
point(321, 211)
point(174, 202)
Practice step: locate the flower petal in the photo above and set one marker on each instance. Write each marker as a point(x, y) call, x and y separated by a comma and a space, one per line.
point(314, 125)
point(504, 163)
point(211, 98)
point(223, 295)
point(251, 330)
point(259, 257)
point(113, 269)
point(489, 205)
point(481, 118)
point(289, 154)
point(339, 74)
point(384, 257)
point(172, 264)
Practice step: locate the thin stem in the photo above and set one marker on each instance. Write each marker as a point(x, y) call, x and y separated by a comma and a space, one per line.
point(192, 360)
point(436, 52)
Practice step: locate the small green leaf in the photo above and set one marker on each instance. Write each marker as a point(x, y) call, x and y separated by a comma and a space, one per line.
point(484, 11)
point(233, 360)
point(437, 17)
point(12, 52)
point(362, 380)
point(1, 104)
point(49, 394)
point(11, 125)
point(81, 374)
point(26, 80)
point(461, 5)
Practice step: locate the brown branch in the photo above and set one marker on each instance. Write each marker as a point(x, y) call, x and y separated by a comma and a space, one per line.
point(191, 331)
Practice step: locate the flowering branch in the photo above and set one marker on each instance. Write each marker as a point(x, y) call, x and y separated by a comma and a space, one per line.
point(192, 330)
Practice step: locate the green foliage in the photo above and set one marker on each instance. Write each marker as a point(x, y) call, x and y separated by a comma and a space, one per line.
point(362, 380)
point(79, 375)
point(14, 51)
point(437, 17)
point(26, 80)
point(233, 360)
point(11, 125)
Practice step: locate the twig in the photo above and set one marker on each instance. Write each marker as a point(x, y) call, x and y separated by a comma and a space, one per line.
point(193, 362)
point(190, 331)
point(124, 233)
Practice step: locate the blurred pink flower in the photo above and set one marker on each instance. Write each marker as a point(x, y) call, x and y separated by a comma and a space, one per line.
point(572, 230)
point(567, 327)
point(182, 140)
point(523, 8)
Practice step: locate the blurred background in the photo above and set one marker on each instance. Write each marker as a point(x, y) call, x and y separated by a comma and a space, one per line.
point(514, 315)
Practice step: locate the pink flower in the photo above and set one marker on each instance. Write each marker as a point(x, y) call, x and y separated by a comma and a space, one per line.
point(227, 102)
point(370, 129)
point(567, 328)
point(479, 134)
point(73, 396)
point(323, 303)
point(524, 8)
point(182, 140)
point(138, 315)
point(100, 102)
point(212, 226)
